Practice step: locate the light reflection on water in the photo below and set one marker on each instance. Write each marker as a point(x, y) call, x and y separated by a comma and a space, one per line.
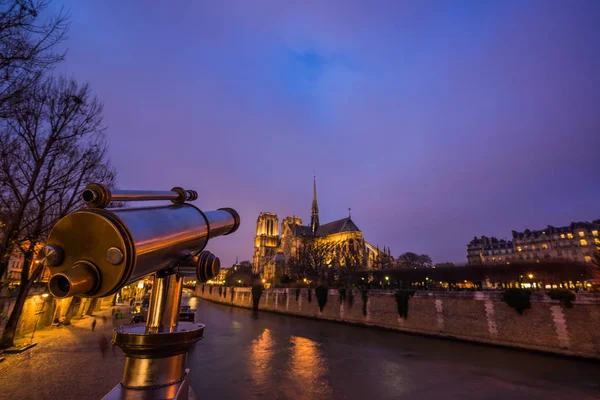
point(260, 352)
point(279, 357)
point(308, 369)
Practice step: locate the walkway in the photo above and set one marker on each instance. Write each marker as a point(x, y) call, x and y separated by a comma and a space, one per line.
point(65, 364)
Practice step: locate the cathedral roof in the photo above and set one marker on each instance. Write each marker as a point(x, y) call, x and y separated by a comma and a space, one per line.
point(302, 230)
point(341, 225)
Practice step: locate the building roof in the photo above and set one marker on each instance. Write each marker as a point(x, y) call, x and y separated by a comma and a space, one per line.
point(302, 230)
point(341, 225)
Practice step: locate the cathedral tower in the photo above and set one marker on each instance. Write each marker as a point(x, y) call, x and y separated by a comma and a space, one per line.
point(314, 214)
point(266, 240)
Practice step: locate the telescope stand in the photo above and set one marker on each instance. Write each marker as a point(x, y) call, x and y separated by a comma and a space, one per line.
point(155, 355)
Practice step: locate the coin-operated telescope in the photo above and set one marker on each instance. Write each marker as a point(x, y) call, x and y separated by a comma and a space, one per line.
point(94, 252)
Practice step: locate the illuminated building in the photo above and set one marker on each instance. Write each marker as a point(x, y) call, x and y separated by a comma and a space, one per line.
point(272, 247)
point(575, 242)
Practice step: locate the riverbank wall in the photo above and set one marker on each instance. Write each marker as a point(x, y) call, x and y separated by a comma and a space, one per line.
point(39, 311)
point(482, 317)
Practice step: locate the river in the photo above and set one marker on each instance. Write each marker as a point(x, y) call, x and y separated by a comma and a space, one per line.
point(273, 356)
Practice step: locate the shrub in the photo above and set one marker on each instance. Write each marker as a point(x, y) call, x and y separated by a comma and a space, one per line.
point(297, 294)
point(342, 292)
point(321, 293)
point(519, 299)
point(565, 296)
point(309, 295)
point(365, 297)
point(402, 297)
point(257, 291)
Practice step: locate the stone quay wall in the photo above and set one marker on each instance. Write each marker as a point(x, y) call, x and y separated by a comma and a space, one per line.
point(483, 317)
point(39, 312)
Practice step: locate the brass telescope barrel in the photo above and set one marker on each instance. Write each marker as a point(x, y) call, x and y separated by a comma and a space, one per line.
point(100, 196)
point(94, 252)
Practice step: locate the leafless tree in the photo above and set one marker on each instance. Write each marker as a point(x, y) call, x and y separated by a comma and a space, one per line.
point(27, 47)
point(352, 261)
point(310, 259)
point(52, 145)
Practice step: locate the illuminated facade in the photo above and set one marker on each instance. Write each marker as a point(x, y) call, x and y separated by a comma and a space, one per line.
point(272, 247)
point(575, 242)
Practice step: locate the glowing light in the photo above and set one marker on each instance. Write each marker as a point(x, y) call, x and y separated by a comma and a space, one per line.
point(264, 280)
point(45, 295)
point(140, 285)
point(304, 279)
point(530, 276)
point(387, 278)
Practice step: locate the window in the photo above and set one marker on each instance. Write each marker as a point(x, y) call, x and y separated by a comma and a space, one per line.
point(581, 234)
point(597, 241)
point(588, 259)
point(570, 235)
point(595, 233)
point(562, 235)
point(559, 253)
point(499, 258)
point(583, 242)
point(519, 248)
point(533, 247)
point(545, 247)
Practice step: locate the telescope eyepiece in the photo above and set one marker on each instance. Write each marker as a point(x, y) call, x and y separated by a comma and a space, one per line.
point(83, 278)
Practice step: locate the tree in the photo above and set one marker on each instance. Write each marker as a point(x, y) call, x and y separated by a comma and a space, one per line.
point(310, 260)
point(410, 259)
point(26, 48)
point(52, 146)
point(352, 261)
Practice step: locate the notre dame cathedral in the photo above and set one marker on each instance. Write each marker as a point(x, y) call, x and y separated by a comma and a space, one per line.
point(272, 249)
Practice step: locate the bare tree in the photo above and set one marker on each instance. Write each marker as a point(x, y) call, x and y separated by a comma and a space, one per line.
point(310, 259)
point(27, 46)
point(351, 263)
point(51, 147)
point(414, 260)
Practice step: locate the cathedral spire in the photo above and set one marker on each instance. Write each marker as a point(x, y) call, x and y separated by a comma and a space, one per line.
point(314, 214)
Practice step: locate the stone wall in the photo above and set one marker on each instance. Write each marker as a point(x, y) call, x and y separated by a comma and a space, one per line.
point(39, 312)
point(474, 316)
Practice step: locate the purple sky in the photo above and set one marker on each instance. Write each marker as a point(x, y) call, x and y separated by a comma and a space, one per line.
point(433, 122)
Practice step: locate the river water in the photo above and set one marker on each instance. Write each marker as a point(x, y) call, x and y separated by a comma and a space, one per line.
point(273, 356)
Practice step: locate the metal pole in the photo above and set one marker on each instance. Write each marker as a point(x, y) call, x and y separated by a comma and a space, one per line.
point(156, 353)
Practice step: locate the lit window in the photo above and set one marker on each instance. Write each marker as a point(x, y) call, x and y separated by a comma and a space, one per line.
point(519, 248)
point(570, 235)
point(562, 235)
point(583, 242)
point(545, 246)
point(499, 258)
point(595, 233)
point(596, 240)
point(493, 258)
point(533, 247)
point(588, 259)
point(581, 234)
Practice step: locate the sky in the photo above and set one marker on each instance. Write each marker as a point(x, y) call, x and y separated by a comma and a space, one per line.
point(434, 121)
